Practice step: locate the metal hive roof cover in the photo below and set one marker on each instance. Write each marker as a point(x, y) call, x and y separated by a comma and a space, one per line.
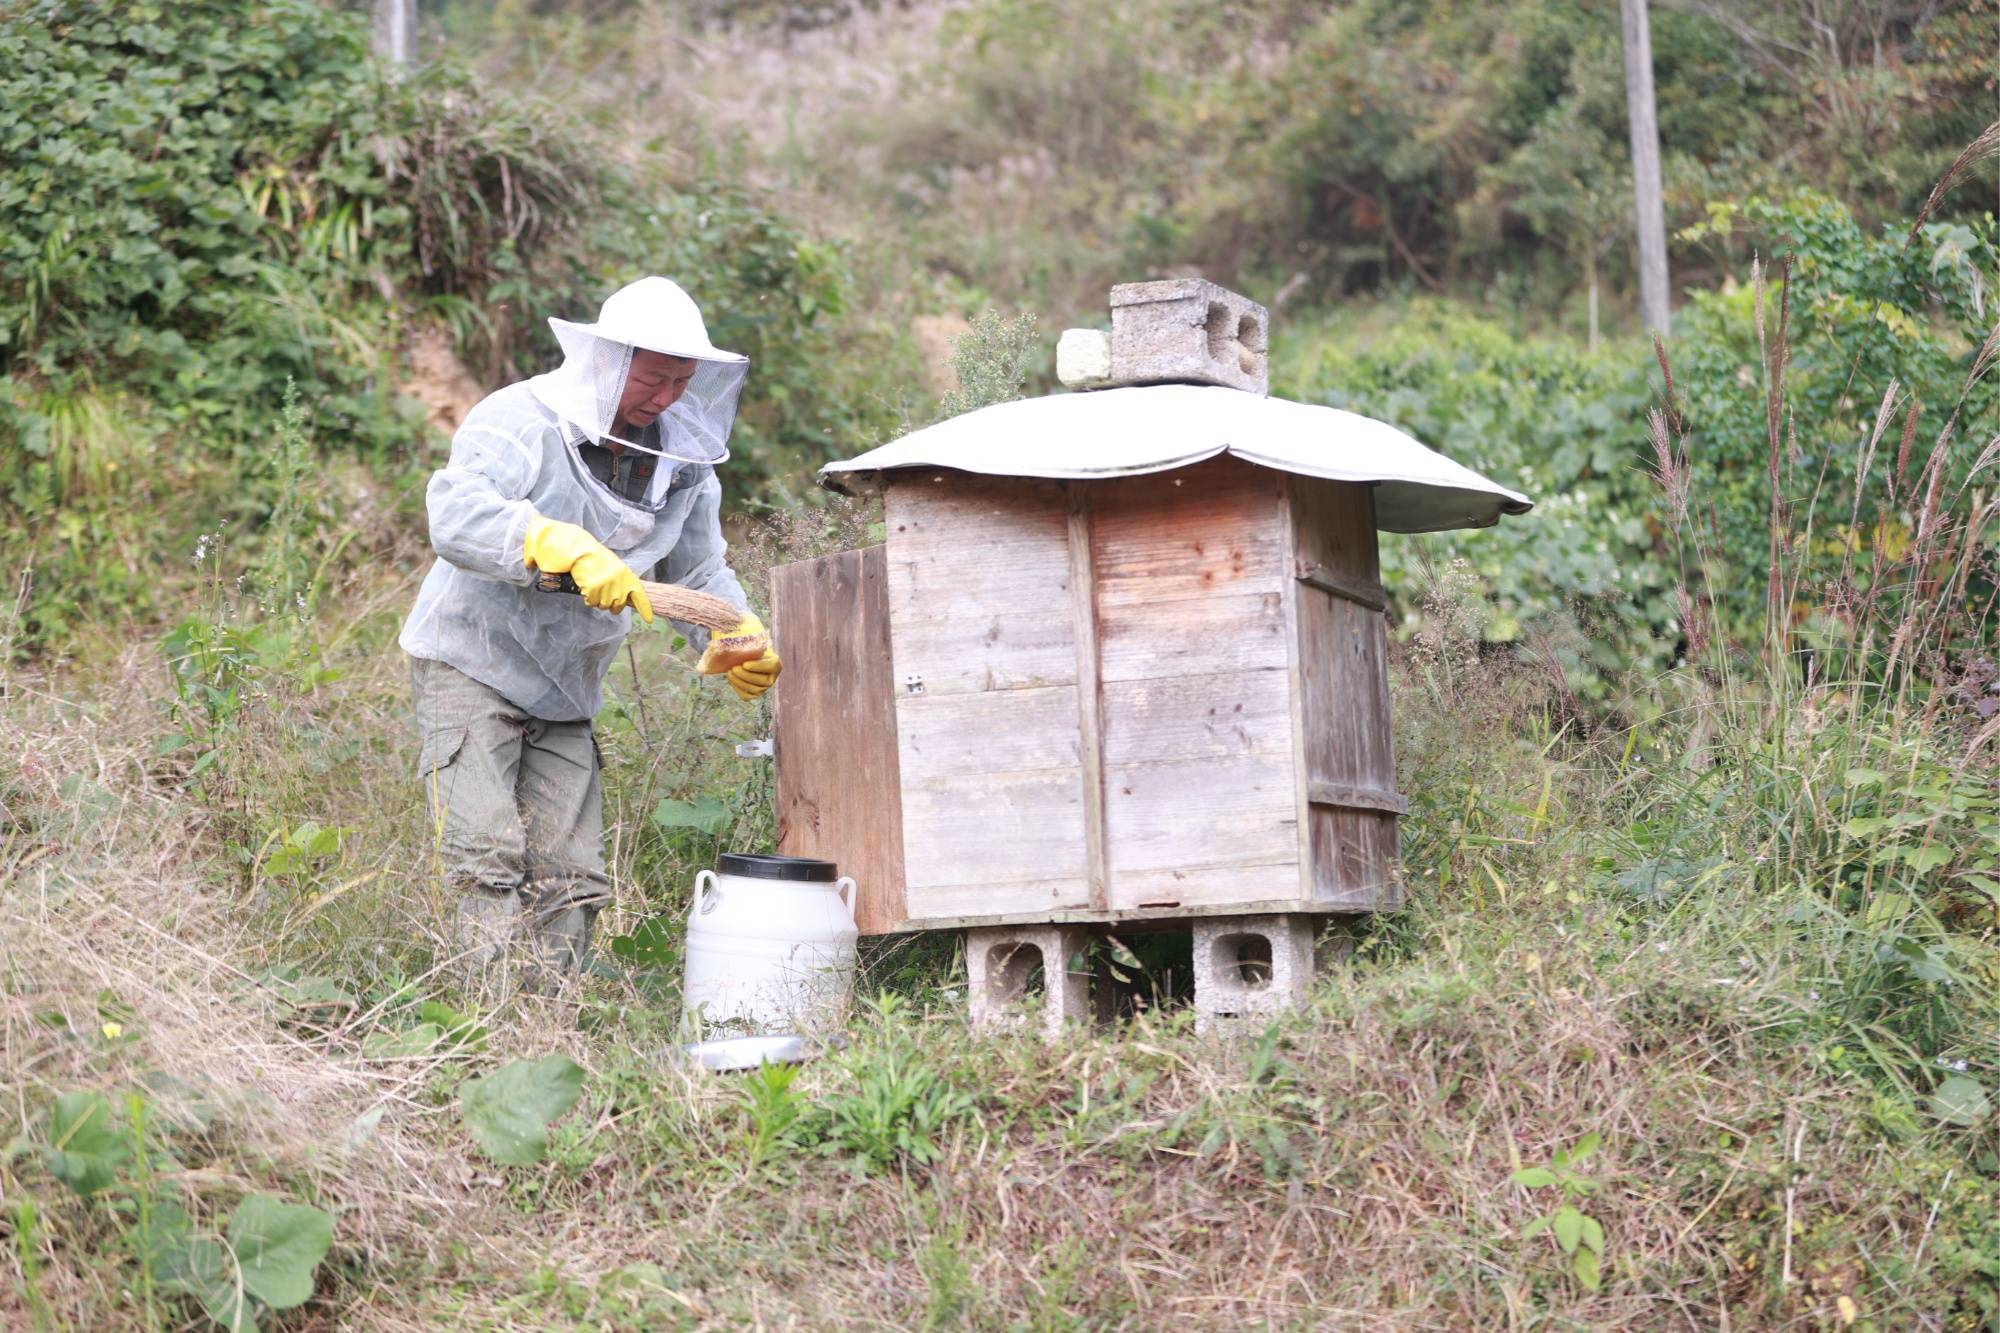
point(1154, 428)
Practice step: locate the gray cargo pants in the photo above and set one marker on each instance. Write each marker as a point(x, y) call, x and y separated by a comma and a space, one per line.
point(517, 821)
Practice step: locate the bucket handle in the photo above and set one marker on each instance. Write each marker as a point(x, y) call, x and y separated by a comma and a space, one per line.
point(704, 902)
point(844, 886)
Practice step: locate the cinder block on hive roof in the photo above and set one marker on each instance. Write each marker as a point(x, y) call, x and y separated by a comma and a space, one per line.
point(1188, 331)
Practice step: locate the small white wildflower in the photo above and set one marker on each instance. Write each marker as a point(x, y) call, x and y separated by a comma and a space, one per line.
point(1813, 995)
point(1661, 947)
point(1958, 1066)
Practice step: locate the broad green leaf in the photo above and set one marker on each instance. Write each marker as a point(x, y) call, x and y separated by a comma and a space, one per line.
point(419, 1040)
point(1865, 777)
point(1593, 1234)
point(1863, 827)
point(1985, 884)
point(278, 1245)
point(1585, 1146)
point(651, 943)
point(201, 1268)
point(1536, 1227)
point(459, 1029)
point(1924, 963)
point(509, 1110)
point(1568, 1228)
point(1887, 909)
point(87, 1145)
point(1923, 860)
point(1960, 1101)
point(1534, 1177)
point(308, 992)
point(1584, 1264)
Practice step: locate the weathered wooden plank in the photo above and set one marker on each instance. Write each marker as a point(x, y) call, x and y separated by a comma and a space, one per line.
point(1235, 810)
point(978, 585)
point(834, 730)
point(1344, 671)
point(1006, 731)
point(1213, 529)
point(1353, 854)
point(1089, 694)
point(986, 701)
point(1188, 888)
point(947, 907)
point(1347, 760)
point(995, 829)
point(1295, 649)
point(1007, 546)
point(1347, 748)
point(1343, 797)
point(1370, 595)
point(1233, 632)
point(1333, 525)
point(1191, 568)
point(1208, 715)
point(1025, 651)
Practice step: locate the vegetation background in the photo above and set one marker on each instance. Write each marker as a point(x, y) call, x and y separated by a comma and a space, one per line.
point(1693, 1020)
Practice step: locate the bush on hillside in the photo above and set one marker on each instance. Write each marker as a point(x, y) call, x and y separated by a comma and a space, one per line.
point(1372, 144)
point(201, 203)
point(1567, 427)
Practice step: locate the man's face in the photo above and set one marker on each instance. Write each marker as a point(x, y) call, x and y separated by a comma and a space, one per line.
point(655, 383)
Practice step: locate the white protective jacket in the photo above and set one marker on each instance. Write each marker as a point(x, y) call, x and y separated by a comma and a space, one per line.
point(515, 459)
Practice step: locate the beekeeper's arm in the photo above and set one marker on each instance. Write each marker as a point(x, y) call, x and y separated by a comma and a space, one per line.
point(700, 560)
point(482, 522)
point(478, 506)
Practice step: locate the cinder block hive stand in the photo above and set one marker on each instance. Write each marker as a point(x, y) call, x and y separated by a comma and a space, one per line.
point(1121, 661)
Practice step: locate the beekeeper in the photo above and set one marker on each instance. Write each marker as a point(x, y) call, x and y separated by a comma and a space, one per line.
point(598, 469)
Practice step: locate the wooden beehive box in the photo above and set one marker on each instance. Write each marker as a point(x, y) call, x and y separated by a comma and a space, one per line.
point(1117, 658)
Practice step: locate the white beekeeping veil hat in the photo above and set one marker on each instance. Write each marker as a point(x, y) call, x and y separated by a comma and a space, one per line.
point(655, 314)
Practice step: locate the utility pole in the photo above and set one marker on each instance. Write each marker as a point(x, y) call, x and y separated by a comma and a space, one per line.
point(396, 31)
point(1649, 206)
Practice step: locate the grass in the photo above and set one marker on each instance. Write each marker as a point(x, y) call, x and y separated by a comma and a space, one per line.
point(1691, 1022)
point(1351, 1167)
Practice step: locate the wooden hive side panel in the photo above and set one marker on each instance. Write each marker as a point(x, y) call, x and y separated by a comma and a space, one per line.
point(1346, 757)
point(985, 679)
point(833, 727)
point(1200, 808)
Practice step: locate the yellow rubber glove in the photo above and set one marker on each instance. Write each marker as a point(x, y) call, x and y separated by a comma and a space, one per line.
point(604, 580)
point(750, 679)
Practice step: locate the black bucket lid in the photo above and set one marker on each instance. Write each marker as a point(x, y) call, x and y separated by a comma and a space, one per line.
point(754, 865)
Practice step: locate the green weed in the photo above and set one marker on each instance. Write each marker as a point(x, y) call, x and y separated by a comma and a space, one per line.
point(1577, 1234)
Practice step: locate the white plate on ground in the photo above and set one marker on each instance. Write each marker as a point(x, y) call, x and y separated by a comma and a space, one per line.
point(729, 1053)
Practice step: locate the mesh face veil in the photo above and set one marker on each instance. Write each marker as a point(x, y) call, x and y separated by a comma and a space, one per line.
point(654, 314)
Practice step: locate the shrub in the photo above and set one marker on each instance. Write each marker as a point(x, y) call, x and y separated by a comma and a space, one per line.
point(200, 203)
point(1874, 327)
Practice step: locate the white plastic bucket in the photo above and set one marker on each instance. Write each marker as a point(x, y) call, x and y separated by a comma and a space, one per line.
point(770, 945)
